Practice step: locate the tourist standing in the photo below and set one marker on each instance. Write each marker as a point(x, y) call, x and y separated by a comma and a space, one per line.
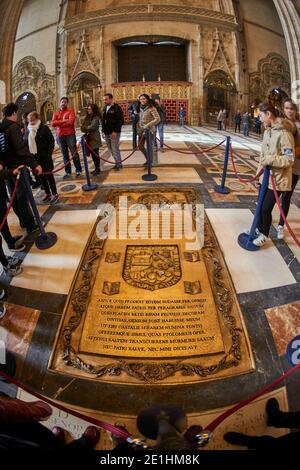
point(220, 120)
point(90, 127)
point(290, 112)
point(278, 152)
point(133, 110)
point(225, 118)
point(148, 119)
point(257, 125)
point(41, 145)
point(64, 122)
point(160, 126)
point(246, 123)
point(16, 153)
point(112, 122)
point(181, 115)
point(237, 121)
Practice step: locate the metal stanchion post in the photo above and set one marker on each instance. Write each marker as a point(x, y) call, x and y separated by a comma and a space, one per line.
point(149, 176)
point(45, 239)
point(222, 189)
point(88, 186)
point(245, 240)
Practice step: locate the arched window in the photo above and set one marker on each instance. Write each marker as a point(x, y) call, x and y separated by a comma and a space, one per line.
point(26, 103)
point(220, 92)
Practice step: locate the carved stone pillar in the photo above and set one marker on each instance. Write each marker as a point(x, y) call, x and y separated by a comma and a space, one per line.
point(290, 22)
point(10, 16)
point(101, 62)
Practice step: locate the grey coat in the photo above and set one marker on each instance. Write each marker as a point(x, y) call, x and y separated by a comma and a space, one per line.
point(90, 127)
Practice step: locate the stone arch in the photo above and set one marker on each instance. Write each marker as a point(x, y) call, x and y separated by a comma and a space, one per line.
point(83, 89)
point(47, 111)
point(219, 91)
point(26, 102)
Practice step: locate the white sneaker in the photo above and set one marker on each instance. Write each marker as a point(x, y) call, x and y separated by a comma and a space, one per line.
point(280, 232)
point(2, 311)
point(260, 240)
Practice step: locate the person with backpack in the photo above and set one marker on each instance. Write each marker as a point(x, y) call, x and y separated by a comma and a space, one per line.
point(13, 153)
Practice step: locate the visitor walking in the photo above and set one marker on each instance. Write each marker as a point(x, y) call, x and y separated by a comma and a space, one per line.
point(181, 115)
point(278, 153)
point(237, 122)
point(246, 123)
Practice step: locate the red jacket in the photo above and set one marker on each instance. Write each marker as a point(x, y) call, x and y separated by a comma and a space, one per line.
point(64, 121)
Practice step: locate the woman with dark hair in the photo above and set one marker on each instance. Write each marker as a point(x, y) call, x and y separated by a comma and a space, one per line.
point(278, 152)
point(290, 112)
point(90, 128)
point(148, 119)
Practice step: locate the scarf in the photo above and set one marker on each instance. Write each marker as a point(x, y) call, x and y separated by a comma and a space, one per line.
point(31, 137)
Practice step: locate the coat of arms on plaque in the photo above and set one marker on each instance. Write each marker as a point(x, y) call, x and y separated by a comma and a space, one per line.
point(152, 267)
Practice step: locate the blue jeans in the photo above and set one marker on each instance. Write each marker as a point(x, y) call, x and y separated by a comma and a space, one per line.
point(160, 130)
point(66, 143)
point(246, 130)
point(181, 121)
point(113, 146)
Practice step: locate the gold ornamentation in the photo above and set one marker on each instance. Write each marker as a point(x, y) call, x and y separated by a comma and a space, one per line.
point(192, 287)
point(149, 371)
point(111, 288)
point(112, 257)
point(152, 267)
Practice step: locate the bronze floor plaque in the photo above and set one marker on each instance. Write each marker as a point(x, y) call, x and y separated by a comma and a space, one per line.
point(151, 310)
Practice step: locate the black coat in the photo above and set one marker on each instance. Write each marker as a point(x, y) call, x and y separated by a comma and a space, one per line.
point(113, 120)
point(45, 145)
point(17, 152)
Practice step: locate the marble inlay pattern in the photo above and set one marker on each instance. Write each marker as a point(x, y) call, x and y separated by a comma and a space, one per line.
point(285, 324)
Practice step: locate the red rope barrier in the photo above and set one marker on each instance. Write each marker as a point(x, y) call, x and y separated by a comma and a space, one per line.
point(238, 176)
point(193, 153)
point(96, 422)
point(107, 161)
point(64, 166)
point(281, 211)
point(216, 422)
point(10, 202)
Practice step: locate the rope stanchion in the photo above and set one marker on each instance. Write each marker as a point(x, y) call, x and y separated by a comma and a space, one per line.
point(108, 161)
point(216, 422)
point(88, 186)
point(45, 239)
point(222, 189)
point(245, 240)
point(193, 153)
point(56, 170)
point(149, 176)
point(254, 178)
point(96, 422)
point(12, 198)
point(282, 213)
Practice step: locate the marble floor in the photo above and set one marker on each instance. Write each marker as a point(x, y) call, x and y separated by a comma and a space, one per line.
point(267, 285)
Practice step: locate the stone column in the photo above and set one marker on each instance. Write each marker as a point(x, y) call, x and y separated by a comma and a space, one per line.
point(10, 16)
point(290, 22)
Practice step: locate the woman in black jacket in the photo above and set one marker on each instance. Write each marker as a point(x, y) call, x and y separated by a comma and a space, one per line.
point(41, 144)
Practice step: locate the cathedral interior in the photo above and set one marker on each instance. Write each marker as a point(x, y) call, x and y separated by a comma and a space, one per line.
point(109, 327)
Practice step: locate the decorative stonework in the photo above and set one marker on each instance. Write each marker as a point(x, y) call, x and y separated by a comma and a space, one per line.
point(219, 58)
point(84, 62)
point(29, 75)
point(273, 71)
point(151, 13)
